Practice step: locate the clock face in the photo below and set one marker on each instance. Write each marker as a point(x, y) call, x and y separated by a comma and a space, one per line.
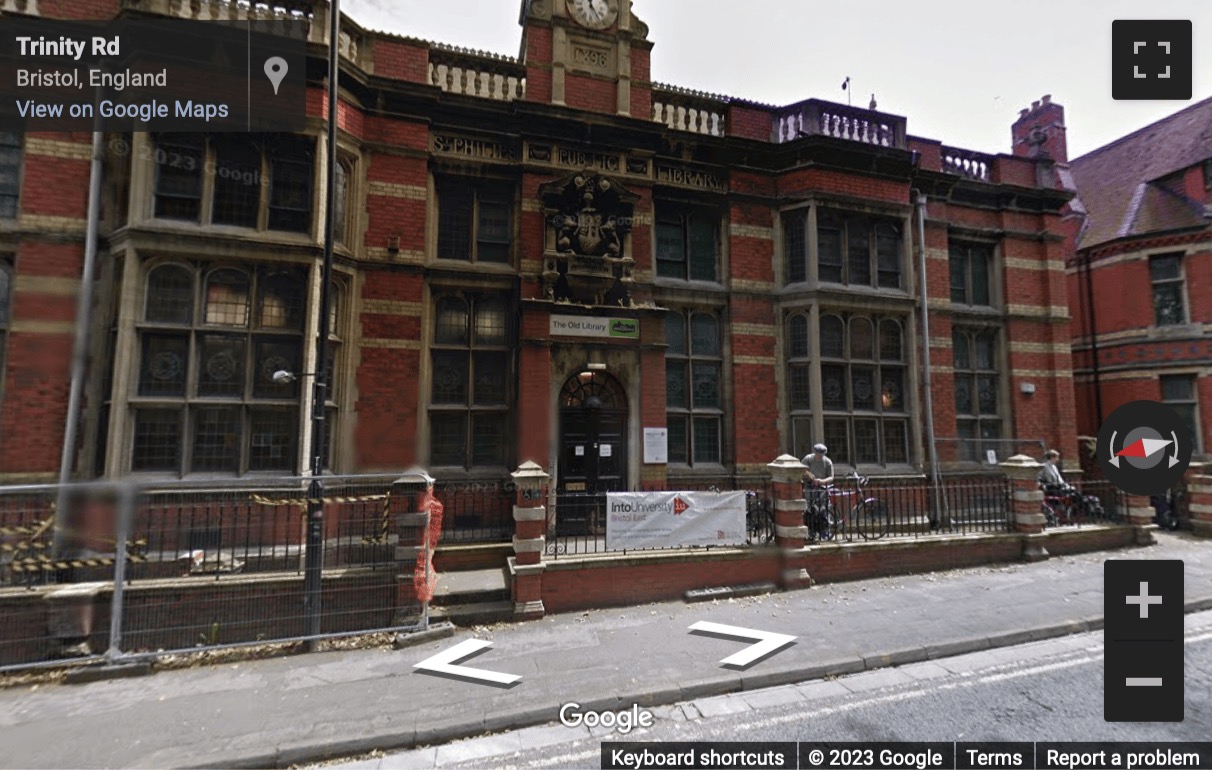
point(594, 14)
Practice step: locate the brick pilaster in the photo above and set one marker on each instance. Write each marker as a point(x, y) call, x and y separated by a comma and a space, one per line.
point(530, 523)
point(1199, 498)
point(1026, 499)
point(1139, 515)
point(408, 518)
point(787, 475)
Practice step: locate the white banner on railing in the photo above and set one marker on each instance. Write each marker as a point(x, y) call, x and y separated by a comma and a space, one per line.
point(674, 519)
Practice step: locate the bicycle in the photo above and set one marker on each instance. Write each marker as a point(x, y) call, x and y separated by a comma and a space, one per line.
point(1063, 506)
point(868, 516)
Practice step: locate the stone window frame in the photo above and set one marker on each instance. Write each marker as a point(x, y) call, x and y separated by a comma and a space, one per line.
point(845, 221)
point(882, 410)
point(294, 398)
point(475, 351)
point(12, 156)
point(667, 211)
point(969, 248)
point(801, 364)
point(1186, 404)
point(971, 370)
point(204, 172)
point(1178, 280)
point(481, 191)
point(691, 414)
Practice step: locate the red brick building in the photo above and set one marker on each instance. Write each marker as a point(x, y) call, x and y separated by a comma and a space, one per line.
point(1140, 268)
point(553, 257)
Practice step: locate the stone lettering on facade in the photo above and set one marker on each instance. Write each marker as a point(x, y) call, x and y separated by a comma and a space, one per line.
point(591, 58)
point(482, 149)
point(685, 177)
point(583, 159)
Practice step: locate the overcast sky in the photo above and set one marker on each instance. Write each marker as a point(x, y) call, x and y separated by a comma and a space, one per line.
point(959, 70)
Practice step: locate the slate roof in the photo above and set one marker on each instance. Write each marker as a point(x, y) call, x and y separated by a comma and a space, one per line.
point(1120, 186)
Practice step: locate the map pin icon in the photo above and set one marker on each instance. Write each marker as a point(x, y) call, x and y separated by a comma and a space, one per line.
point(275, 70)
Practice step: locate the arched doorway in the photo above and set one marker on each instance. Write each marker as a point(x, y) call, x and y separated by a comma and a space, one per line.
point(593, 448)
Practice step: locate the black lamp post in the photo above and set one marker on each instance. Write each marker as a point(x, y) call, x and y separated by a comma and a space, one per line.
point(313, 559)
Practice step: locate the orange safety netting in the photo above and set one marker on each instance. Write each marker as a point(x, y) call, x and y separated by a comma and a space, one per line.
point(424, 576)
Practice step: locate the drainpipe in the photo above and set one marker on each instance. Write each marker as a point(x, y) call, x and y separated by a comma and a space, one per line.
point(80, 345)
point(920, 205)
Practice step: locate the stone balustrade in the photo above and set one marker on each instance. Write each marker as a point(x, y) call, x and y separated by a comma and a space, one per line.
point(29, 7)
point(968, 164)
point(819, 118)
point(682, 109)
point(476, 73)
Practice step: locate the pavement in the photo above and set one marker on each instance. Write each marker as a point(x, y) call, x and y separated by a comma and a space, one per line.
point(306, 708)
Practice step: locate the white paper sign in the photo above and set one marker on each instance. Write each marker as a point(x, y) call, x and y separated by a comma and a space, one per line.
point(656, 445)
point(579, 451)
point(674, 519)
point(605, 450)
point(991, 456)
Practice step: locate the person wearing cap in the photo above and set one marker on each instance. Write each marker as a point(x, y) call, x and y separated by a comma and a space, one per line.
point(820, 467)
point(818, 476)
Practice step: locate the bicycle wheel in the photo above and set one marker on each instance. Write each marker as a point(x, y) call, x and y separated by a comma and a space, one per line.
point(871, 519)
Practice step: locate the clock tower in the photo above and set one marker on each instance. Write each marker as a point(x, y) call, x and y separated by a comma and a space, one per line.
point(588, 55)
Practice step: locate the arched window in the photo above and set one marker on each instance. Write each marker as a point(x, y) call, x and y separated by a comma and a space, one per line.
point(170, 295)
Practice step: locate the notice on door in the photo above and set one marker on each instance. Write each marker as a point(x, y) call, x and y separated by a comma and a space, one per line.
point(605, 450)
point(656, 446)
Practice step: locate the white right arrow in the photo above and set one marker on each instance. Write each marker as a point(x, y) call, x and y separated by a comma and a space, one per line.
point(443, 663)
point(767, 642)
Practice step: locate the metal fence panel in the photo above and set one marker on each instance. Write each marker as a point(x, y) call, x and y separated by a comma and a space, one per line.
point(203, 566)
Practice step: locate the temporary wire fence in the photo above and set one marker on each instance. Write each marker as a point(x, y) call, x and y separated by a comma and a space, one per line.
point(117, 570)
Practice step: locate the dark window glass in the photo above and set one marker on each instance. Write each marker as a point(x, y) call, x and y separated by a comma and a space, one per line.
point(829, 246)
point(977, 398)
point(795, 246)
point(341, 209)
point(693, 383)
point(6, 285)
point(471, 383)
point(170, 295)
point(165, 365)
point(475, 221)
point(237, 198)
point(221, 361)
point(832, 337)
point(837, 438)
point(272, 443)
point(891, 348)
point(10, 173)
point(971, 266)
point(290, 180)
point(687, 245)
point(281, 302)
point(216, 439)
point(798, 336)
point(801, 387)
point(180, 160)
point(862, 345)
point(858, 250)
point(1165, 272)
point(1178, 391)
point(157, 445)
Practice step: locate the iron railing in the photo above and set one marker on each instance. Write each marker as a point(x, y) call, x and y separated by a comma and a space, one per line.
point(479, 511)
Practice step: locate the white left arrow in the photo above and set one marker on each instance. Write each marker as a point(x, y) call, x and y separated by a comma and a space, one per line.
point(767, 643)
point(444, 663)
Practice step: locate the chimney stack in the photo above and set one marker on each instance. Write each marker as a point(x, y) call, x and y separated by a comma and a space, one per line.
point(1040, 131)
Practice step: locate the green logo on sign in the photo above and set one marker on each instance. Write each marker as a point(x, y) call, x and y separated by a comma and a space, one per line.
point(621, 327)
